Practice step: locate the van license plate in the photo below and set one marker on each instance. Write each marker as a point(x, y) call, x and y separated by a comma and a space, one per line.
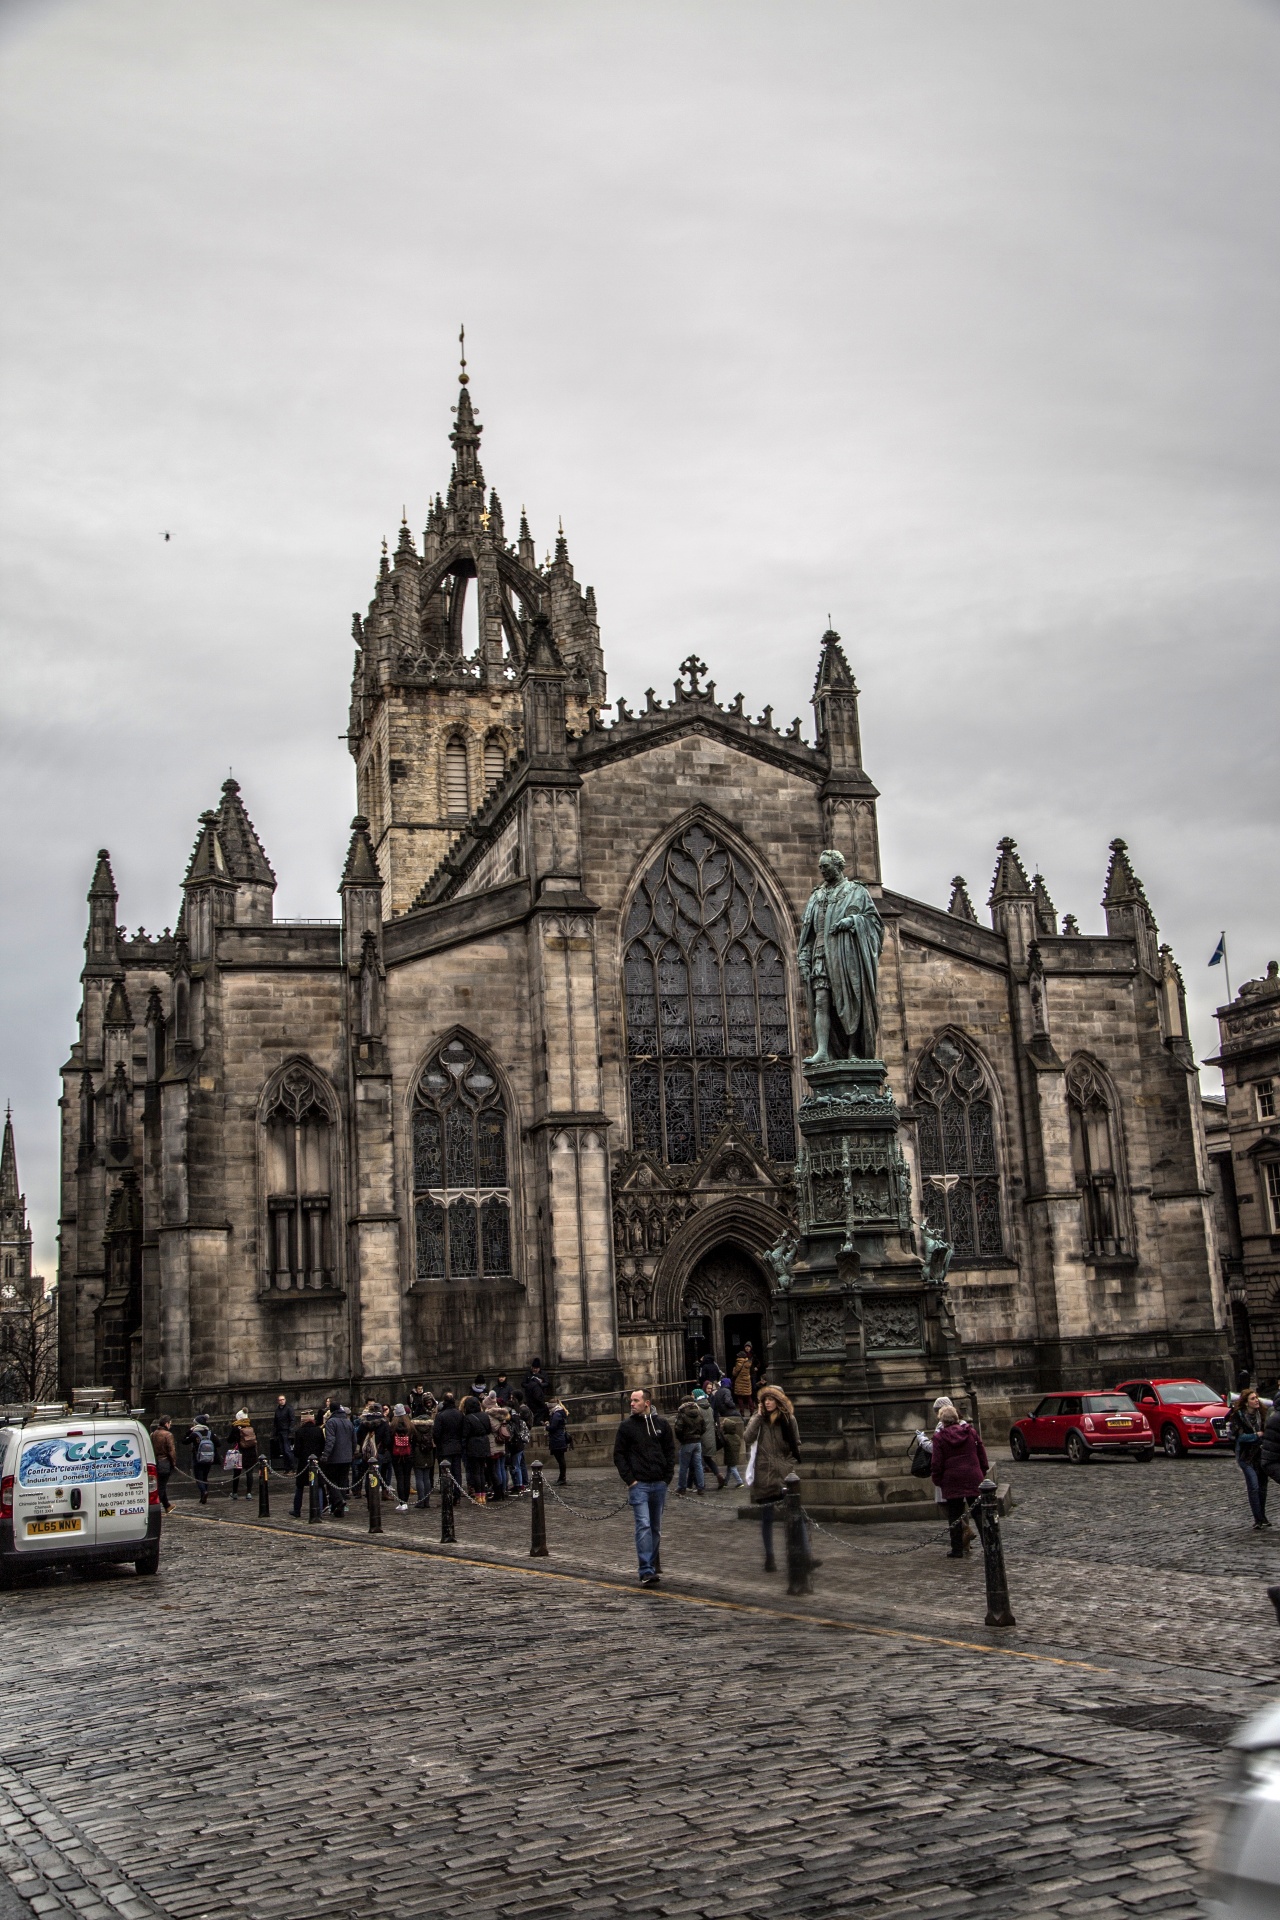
point(70, 1524)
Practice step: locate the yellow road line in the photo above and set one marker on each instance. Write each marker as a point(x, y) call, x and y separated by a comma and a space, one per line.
point(685, 1599)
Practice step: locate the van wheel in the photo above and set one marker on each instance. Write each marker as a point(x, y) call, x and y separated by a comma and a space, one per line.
point(148, 1562)
point(1018, 1446)
point(1171, 1441)
point(1077, 1452)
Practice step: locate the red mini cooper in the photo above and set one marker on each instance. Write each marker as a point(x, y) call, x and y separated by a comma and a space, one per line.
point(1082, 1424)
point(1185, 1415)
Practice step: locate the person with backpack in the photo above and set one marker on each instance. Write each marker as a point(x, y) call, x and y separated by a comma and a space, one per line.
point(446, 1431)
point(339, 1452)
point(242, 1453)
point(373, 1443)
point(166, 1454)
point(710, 1437)
point(401, 1454)
point(422, 1460)
point(559, 1438)
point(476, 1436)
point(519, 1425)
point(203, 1442)
point(688, 1429)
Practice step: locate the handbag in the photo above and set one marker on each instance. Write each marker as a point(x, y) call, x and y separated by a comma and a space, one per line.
point(749, 1479)
point(232, 1460)
point(922, 1458)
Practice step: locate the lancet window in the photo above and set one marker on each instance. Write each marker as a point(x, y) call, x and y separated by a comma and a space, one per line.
point(461, 1181)
point(495, 762)
point(456, 790)
point(959, 1162)
point(1096, 1159)
point(300, 1166)
point(708, 1030)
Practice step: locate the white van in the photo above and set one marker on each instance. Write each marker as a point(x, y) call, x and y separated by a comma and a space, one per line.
point(77, 1486)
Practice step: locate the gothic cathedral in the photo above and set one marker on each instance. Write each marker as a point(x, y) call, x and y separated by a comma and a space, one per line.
point(534, 1091)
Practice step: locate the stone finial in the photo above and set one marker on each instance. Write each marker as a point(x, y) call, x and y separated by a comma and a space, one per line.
point(961, 906)
point(245, 857)
point(1123, 886)
point(361, 868)
point(1046, 912)
point(1010, 878)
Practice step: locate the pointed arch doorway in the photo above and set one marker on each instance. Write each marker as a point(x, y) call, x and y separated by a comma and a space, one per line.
point(725, 1304)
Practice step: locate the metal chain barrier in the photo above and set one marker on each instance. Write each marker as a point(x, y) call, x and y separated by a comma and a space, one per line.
point(584, 1513)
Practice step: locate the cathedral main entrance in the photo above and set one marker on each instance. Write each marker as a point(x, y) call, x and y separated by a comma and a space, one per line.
point(726, 1303)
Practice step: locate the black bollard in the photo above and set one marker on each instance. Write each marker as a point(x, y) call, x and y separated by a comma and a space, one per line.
point(538, 1510)
point(799, 1559)
point(999, 1612)
point(264, 1492)
point(373, 1494)
point(1273, 1595)
point(447, 1534)
point(313, 1491)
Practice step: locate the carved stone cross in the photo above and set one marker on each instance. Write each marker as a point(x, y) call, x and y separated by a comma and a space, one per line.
point(695, 669)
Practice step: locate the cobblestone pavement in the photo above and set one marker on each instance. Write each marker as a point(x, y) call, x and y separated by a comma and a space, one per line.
point(300, 1721)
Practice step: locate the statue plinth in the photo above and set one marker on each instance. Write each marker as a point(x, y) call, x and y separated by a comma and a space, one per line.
point(863, 1339)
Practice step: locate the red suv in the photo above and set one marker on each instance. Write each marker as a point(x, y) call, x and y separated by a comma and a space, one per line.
point(1184, 1415)
point(1082, 1424)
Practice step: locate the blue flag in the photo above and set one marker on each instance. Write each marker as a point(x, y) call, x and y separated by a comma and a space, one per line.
point(1220, 951)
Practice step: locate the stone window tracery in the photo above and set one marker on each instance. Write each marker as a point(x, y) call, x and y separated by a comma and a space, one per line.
point(959, 1162)
point(706, 1001)
point(1095, 1159)
point(461, 1183)
point(299, 1128)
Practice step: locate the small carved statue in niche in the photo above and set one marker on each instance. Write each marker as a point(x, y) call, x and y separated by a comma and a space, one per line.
point(937, 1255)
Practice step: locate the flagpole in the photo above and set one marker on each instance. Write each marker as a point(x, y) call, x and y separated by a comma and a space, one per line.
point(1226, 968)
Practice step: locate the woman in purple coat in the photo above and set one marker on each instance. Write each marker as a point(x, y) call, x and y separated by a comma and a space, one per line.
point(959, 1469)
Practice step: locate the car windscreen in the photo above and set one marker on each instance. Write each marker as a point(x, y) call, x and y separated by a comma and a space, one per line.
point(1108, 1403)
point(1186, 1393)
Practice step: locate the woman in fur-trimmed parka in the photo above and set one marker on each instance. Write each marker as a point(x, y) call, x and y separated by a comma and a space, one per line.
point(776, 1438)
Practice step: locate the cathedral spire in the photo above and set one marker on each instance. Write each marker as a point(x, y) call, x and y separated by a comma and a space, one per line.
point(961, 907)
point(1128, 913)
point(1046, 912)
point(1012, 902)
point(100, 941)
point(465, 441)
point(1009, 881)
point(1123, 888)
point(10, 1198)
point(835, 705)
point(247, 863)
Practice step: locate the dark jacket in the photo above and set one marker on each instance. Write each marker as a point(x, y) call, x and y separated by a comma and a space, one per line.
point(1271, 1437)
point(558, 1440)
point(308, 1438)
point(476, 1435)
point(959, 1460)
point(645, 1448)
point(380, 1427)
point(446, 1430)
point(723, 1402)
point(195, 1434)
point(163, 1446)
point(284, 1422)
point(534, 1388)
point(424, 1448)
point(688, 1421)
point(1246, 1429)
point(339, 1439)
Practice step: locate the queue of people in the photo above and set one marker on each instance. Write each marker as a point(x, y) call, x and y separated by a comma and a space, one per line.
point(482, 1440)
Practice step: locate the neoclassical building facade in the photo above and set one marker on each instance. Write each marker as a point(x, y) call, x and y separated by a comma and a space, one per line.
point(534, 1089)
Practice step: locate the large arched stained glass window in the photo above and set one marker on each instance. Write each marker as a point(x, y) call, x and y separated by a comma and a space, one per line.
point(959, 1166)
point(461, 1185)
point(299, 1170)
point(707, 1025)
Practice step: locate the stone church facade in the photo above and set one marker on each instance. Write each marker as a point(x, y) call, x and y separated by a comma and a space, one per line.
point(534, 1090)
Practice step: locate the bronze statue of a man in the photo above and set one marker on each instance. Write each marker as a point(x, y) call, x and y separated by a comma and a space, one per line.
point(840, 940)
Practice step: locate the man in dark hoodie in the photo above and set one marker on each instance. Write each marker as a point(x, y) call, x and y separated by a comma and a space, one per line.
point(534, 1388)
point(644, 1452)
point(339, 1451)
point(446, 1431)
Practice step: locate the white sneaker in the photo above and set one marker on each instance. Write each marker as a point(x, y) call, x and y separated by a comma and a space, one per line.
point(401, 1507)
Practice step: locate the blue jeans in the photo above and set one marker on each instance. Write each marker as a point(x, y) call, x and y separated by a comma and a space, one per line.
point(648, 1498)
point(1255, 1481)
point(518, 1471)
point(422, 1483)
point(690, 1465)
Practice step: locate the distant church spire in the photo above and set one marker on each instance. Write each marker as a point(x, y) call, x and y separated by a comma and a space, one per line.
point(10, 1198)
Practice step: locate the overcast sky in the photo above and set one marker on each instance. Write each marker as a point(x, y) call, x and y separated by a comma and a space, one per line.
point(956, 320)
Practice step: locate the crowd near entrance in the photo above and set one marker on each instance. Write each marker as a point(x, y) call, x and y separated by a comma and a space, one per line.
point(726, 1305)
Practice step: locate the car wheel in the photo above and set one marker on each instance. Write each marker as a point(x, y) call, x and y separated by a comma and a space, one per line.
point(1018, 1446)
point(148, 1562)
point(1147, 1453)
point(1171, 1441)
point(1077, 1452)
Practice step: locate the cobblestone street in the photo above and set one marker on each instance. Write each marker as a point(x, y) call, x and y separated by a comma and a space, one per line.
point(299, 1721)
